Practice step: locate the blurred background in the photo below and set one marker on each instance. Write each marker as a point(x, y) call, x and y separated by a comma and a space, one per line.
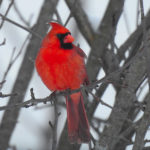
point(111, 33)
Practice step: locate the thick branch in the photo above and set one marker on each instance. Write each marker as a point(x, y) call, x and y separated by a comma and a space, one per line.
point(141, 130)
point(106, 35)
point(20, 26)
point(124, 101)
point(25, 73)
point(82, 20)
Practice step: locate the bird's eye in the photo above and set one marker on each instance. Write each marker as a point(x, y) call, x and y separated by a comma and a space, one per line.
point(61, 36)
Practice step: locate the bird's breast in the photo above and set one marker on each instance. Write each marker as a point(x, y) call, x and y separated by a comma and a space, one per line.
point(61, 70)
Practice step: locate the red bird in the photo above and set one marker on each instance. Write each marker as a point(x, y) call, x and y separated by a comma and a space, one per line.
point(61, 66)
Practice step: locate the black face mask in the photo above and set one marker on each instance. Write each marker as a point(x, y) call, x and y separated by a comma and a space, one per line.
point(67, 46)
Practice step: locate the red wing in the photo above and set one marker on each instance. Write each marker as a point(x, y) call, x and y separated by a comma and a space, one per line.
point(79, 51)
point(82, 54)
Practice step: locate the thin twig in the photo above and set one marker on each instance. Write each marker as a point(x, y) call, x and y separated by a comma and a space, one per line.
point(58, 16)
point(146, 141)
point(3, 42)
point(51, 125)
point(2, 82)
point(137, 13)
point(101, 101)
point(54, 131)
point(32, 102)
point(32, 93)
point(20, 26)
point(69, 17)
point(29, 103)
point(20, 15)
point(10, 5)
point(143, 21)
point(13, 60)
point(126, 21)
point(9, 66)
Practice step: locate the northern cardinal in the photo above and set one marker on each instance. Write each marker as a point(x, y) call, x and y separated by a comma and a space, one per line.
point(60, 64)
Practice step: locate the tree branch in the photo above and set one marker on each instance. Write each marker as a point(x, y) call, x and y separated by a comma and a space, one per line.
point(25, 73)
point(20, 26)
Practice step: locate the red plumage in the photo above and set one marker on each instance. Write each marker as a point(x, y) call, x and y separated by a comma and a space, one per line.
point(61, 66)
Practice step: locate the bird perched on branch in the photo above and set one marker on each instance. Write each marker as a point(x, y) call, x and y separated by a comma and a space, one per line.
point(60, 64)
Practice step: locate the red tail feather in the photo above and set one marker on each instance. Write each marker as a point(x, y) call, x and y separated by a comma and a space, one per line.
point(78, 128)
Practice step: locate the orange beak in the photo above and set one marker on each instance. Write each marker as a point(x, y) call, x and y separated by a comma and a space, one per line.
point(68, 39)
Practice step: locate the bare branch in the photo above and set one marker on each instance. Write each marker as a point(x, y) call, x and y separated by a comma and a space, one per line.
point(69, 17)
point(124, 101)
point(82, 20)
point(58, 17)
point(34, 101)
point(127, 78)
point(143, 21)
point(3, 42)
point(126, 21)
point(137, 12)
point(1, 83)
point(32, 94)
point(142, 128)
point(8, 68)
point(101, 101)
point(68, 92)
point(20, 26)
point(133, 38)
point(10, 5)
point(7, 95)
point(20, 15)
point(13, 60)
point(107, 31)
point(54, 143)
point(23, 79)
